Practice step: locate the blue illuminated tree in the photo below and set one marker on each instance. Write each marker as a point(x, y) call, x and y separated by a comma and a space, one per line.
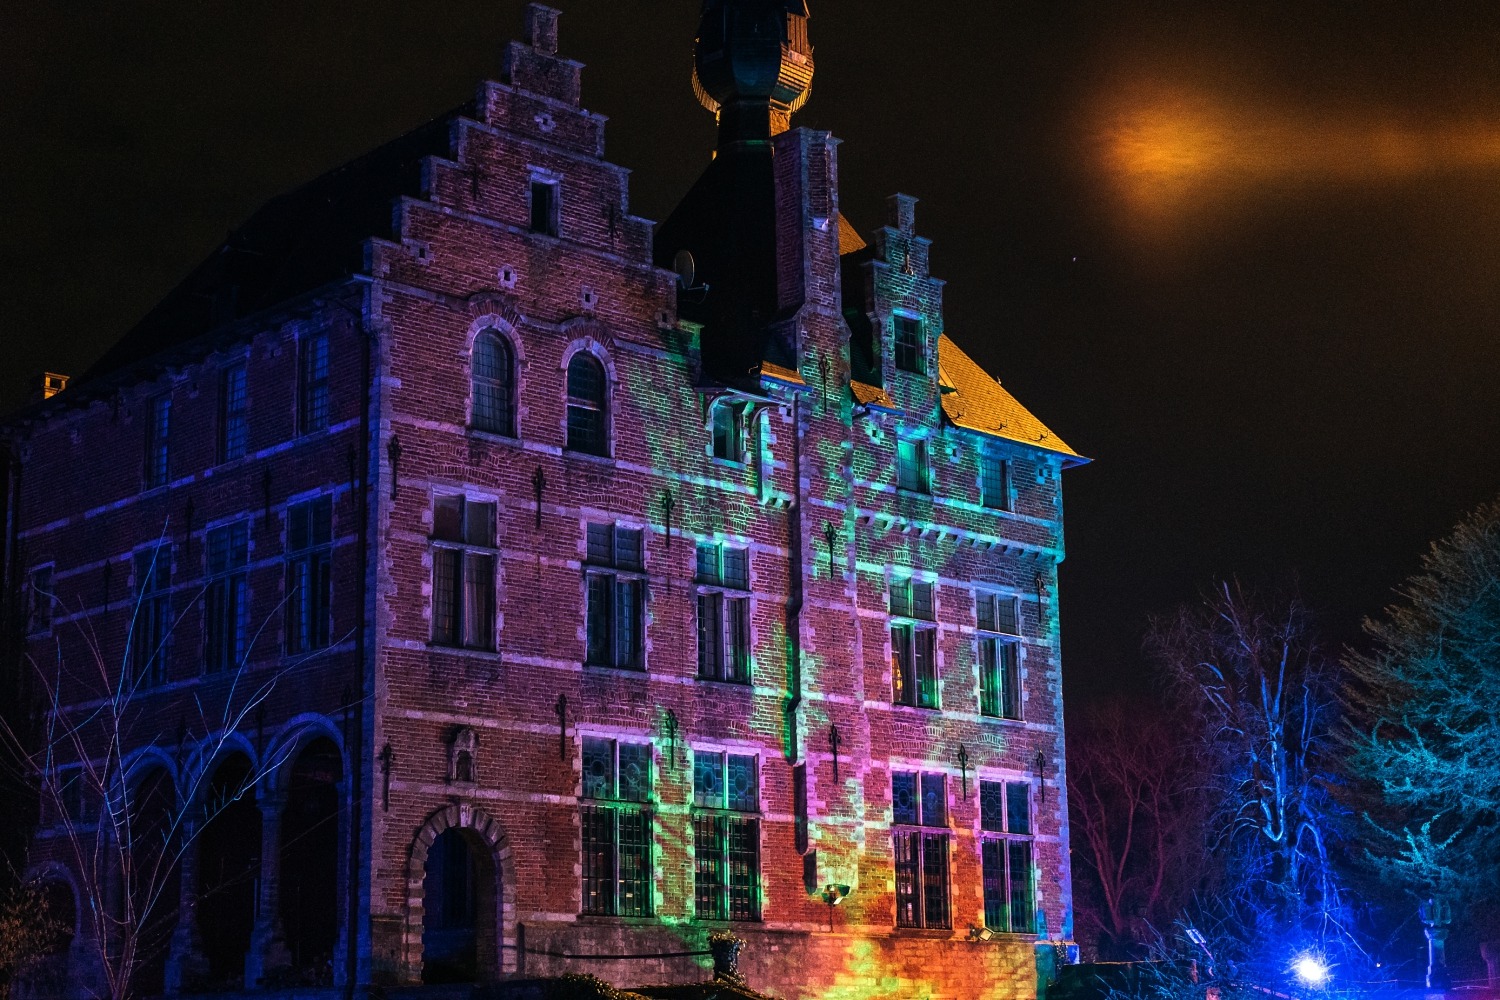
point(1423, 739)
point(1249, 676)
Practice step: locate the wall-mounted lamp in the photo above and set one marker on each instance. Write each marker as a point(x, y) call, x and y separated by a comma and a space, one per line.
point(980, 933)
point(833, 895)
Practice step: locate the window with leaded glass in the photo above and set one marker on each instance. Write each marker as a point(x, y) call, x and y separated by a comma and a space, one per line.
point(159, 442)
point(492, 373)
point(726, 836)
point(463, 572)
point(913, 644)
point(616, 819)
point(912, 468)
point(729, 431)
point(911, 351)
point(314, 410)
point(1008, 854)
point(226, 598)
point(151, 626)
point(615, 614)
point(723, 584)
point(994, 481)
point(588, 424)
point(999, 620)
point(234, 425)
point(309, 574)
point(919, 817)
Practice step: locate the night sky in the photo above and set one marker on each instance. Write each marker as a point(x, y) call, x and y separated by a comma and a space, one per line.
point(1244, 255)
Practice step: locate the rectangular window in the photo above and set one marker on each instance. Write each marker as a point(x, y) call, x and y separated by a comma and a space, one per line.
point(921, 854)
point(999, 619)
point(729, 432)
point(75, 798)
point(910, 350)
point(150, 631)
point(615, 614)
point(40, 601)
point(234, 427)
point(999, 679)
point(1008, 856)
point(227, 606)
point(309, 574)
point(994, 481)
point(723, 614)
point(913, 644)
point(912, 472)
point(158, 442)
point(726, 836)
point(616, 822)
point(314, 409)
point(544, 207)
point(463, 572)
point(912, 599)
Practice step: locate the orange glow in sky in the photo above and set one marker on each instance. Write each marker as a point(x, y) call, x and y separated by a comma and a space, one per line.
point(1170, 151)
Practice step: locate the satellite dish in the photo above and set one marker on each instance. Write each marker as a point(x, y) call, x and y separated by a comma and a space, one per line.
point(686, 268)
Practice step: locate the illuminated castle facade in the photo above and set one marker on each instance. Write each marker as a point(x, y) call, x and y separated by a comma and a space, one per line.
point(619, 583)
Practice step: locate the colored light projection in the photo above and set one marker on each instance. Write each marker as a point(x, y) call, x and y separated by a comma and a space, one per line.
point(844, 530)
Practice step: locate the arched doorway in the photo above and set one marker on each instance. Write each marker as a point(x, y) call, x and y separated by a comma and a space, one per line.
point(309, 901)
point(150, 882)
point(228, 871)
point(458, 906)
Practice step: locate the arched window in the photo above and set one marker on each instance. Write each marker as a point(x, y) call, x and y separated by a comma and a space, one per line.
point(493, 369)
point(588, 430)
point(729, 432)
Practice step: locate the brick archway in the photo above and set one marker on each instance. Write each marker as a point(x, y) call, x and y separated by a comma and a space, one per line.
point(491, 835)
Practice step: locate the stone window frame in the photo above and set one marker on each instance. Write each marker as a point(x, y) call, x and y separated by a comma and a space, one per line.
point(310, 554)
point(918, 837)
point(719, 819)
point(314, 385)
point(606, 409)
point(156, 470)
point(505, 334)
point(153, 610)
point(921, 455)
point(992, 845)
point(615, 806)
point(918, 350)
point(232, 430)
point(466, 549)
point(735, 435)
point(915, 621)
point(989, 454)
point(539, 178)
point(991, 630)
point(225, 577)
point(636, 576)
point(727, 590)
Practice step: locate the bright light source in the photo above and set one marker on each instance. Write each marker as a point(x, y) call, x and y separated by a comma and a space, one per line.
point(1311, 970)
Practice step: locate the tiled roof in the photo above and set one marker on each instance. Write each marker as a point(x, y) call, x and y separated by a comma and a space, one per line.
point(979, 403)
point(871, 395)
point(769, 369)
point(849, 239)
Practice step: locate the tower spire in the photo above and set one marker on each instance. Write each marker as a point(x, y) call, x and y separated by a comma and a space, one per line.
point(752, 66)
